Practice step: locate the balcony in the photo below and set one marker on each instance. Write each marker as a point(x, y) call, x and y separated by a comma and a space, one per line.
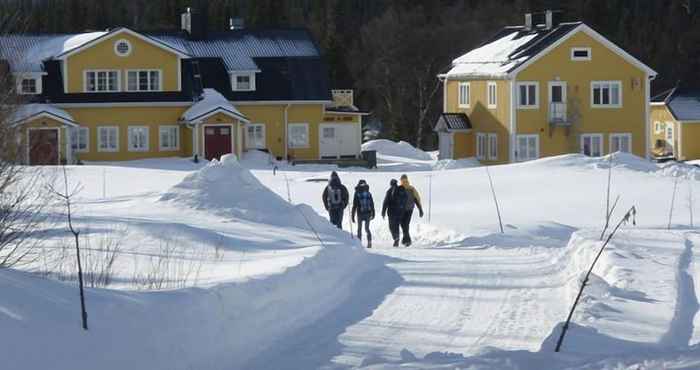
point(343, 98)
point(558, 114)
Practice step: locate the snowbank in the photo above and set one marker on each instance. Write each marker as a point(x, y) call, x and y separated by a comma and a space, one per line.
point(455, 164)
point(401, 149)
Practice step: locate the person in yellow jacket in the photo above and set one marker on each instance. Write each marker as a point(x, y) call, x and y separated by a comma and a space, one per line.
point(412, 201)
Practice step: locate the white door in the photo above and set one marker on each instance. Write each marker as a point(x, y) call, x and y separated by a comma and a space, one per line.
point(446, 145)
point(527, 148)
point(557, 100)
point(670, 138)
point(339, 140)
point(592, 145)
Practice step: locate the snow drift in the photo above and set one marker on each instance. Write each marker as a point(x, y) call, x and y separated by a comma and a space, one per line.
point(393, 149)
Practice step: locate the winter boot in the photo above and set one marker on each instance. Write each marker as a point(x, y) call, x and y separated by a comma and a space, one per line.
point(396, 242)
point(369, 243)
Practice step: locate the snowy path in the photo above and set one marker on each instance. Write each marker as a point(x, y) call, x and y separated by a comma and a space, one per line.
point(461, 300)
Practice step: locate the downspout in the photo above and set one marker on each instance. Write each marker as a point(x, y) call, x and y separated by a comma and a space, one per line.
point(647, 124)
point(513, 123)
point(286, 131)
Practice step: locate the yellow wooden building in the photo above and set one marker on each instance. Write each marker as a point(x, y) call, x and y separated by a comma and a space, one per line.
point(545, 89)
point(124, 95)
point(675, 124)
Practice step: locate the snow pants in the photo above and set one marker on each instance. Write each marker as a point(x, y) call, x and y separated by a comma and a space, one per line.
point(405, 226)
point(362, 219)
point(394, 222)
point(336, 215)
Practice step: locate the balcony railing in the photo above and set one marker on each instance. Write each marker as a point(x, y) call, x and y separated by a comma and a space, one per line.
point(343, 98)
point(558, 114)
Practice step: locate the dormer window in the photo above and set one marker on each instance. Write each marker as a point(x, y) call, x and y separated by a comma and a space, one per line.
point(29, 85)
point(580, 54)
point(243, 81)
point(122, 48)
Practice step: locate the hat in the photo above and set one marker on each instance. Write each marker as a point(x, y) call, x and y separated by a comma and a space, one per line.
point(362, 182)
point(393, 182)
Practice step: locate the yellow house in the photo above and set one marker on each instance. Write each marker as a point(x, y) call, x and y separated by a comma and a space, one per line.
point(124, 95)
point(540, 90)
point(675, 124)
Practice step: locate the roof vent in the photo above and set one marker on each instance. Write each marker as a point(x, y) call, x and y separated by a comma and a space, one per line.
point(236, 23)
point(528, 21)
point(186, 21)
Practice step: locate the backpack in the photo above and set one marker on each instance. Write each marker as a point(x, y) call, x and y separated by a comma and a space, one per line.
point(400, 198)
point(365, 200)
point(335, 197)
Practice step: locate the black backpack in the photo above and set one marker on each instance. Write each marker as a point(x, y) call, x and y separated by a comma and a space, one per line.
point(400, 198)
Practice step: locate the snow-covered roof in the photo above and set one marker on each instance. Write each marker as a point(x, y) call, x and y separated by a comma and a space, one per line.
point(494, 59)
point(211, 103)
point(28, 112)
point(25, 53)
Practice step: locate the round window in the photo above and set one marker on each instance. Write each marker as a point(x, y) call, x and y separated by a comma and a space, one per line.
point(122, 48)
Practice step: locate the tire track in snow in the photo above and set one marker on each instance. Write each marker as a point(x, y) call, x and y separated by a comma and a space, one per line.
point(681, 328)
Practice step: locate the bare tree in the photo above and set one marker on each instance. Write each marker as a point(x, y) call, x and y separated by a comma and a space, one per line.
point(66, 196)
point(21, 200)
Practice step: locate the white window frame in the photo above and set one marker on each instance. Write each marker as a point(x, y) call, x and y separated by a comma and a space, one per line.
point(463, 94)
point(518, 155)
point(592, 136)
point(251, 145)
point(670, 127)
point(657, 127)
point(162, 129)
point(527, 85)
point(130, 142)
point(96, 71)
point(99, 139)
point(37, 83)
point(123, 55)
point(289, 138)
point(609, 85)
point(490, 104)
point(581, 59)
point(138, 85)
point(625, 135)
point(493, 147)
point(77, 130)
point(481, 146)
point(234, 81)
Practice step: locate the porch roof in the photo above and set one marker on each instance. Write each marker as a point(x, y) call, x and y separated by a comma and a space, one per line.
point(28, 112)
point(212, 102)
point(453, 122)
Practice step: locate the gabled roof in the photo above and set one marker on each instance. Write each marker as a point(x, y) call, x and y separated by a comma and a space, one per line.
point(514, 48)
point(683, 103)
point(453, 122)
point(211, 103)
point(118, 31)
point(26, 53)
point(29, 112)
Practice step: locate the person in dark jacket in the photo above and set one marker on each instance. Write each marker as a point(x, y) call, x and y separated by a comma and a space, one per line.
point(335, 199)
point(394, 206)
point(363, 207)
point(412, 201)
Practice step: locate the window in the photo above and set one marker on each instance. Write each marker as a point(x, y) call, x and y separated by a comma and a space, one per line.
point(481, 146)
point(606, 94)
point(122, 48)
point(108, 139)
point(138, 138)
point(492, 94)
point(669, 131)
point(298, 135)
point(464, 91)
point(592, 145)
point(621, 143)
point(29, 85)
point(527, 148)
point(580, 54)
point(169, 137)
point(79, 139)
point(329, 132)
point(101, 81)
point(243, 81)
point(528, 95)
point(256, 136)
point(659, 127)
point(493, 147)
point(144, 80)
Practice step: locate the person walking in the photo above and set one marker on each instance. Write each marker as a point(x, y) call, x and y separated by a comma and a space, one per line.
point(335, 199)
point(363, 207)
point(394, 206)
point(412, 201)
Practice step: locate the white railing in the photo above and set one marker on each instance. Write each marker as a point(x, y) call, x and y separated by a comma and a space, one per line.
point(557, 114)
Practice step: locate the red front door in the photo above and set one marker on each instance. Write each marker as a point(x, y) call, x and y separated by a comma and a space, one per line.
point(43, 147)
point(217, 141)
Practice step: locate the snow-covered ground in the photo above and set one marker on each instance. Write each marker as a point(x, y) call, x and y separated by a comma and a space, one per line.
point(243, 282)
